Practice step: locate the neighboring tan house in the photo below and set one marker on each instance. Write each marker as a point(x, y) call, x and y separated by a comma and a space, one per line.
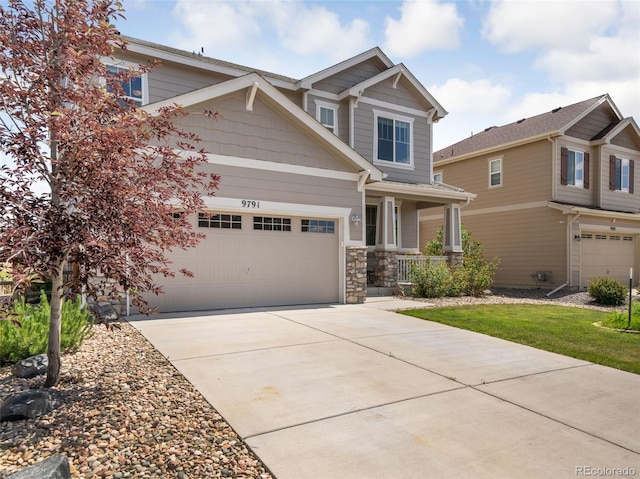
point(316, 175)
point(558, 195)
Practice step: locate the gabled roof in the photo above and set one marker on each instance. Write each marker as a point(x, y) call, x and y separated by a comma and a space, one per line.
point(307, 82)
point(606, 135)
point(553, 123)
point(253, 83)
point(163, 52)
point(399, 70)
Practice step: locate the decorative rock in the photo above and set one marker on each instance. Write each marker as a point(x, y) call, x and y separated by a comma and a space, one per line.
point(104, 311)
point(31, 367)
point(53, 467)
point(29, 404)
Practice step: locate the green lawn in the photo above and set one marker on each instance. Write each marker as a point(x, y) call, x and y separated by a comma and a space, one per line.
point(560, 329)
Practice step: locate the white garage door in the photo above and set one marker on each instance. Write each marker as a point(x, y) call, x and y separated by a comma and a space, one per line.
point(251, 260)
point(606, 255)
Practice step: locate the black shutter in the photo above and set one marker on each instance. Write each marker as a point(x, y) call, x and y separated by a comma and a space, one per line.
point(564, 156)
point(612, 172)
point(586, 171)
point(631, 176)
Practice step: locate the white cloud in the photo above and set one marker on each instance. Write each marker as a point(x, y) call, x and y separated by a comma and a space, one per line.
point(424, 25)
point(215, 26)
point(314, 29)
point(569, 25)
point(246, 30)
point(478, 96)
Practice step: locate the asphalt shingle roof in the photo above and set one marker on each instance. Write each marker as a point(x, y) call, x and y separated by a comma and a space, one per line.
point(548, 122)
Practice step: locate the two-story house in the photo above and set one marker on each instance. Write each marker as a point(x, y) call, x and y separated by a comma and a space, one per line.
point(558, 195)
point(319, 176)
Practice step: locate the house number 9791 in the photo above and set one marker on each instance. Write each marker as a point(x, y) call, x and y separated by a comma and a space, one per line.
point(250, 204)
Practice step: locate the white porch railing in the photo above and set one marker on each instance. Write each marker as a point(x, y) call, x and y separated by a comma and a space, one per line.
point(407, 261)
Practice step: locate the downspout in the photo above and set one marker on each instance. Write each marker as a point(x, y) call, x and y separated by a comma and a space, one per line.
point(305, 101)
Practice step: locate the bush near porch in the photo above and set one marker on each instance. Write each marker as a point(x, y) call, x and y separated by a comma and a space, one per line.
point(472, 277)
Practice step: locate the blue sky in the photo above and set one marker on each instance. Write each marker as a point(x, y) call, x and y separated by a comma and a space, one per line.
point(487, 62)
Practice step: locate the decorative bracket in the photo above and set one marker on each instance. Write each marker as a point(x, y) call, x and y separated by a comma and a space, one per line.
point(251, 95)
point(396, 78)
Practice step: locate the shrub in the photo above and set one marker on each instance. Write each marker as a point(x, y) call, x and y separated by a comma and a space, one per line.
point(433, 281)
point(473, 277)
point(608, 291)
point(31, 337)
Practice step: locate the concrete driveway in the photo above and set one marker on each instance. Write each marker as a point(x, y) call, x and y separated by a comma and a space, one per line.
point(358, 391)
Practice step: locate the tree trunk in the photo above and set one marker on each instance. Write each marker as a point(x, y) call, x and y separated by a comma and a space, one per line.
point(55, 323)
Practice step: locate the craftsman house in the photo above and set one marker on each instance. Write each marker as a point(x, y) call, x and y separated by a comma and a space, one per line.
point(558, 195)
point(322, 178)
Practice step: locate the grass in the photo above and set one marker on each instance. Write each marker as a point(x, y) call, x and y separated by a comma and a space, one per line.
point(559, 329)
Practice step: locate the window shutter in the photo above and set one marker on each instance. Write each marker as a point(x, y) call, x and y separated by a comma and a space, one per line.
point(585, 166)
point(612, 172)
point(631, 176)
point(564, 155)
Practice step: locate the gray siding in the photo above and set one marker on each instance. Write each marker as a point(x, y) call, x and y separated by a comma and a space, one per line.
point(573, 194)
point(400, 95)
point(592, 124)
point(262, 134)
point(363, 144)
point(409, 225)
point(342, 114)
point(261, 185)
point(627, 139)
point(619, 200)
point(348, 78)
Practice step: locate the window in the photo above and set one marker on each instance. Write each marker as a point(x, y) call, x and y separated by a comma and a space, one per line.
point(216, 220)
point(135, 88)
point(392, 142)
point(495, 172)
point(176, 215)
point(371, 214)
point(574, 168)
point(271, 224)
point(621, 172)
point(318, 226)
point(437, 177)
point(327, 115)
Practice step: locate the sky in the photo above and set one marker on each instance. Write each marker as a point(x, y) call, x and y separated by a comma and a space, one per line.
point(486, 62)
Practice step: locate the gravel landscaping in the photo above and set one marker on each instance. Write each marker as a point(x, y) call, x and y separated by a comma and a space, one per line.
point(129, 413)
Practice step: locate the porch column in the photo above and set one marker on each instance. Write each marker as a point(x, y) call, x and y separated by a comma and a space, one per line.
point(386, 266)
point(452, 234)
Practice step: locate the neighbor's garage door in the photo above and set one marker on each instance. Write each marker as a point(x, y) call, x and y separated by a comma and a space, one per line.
point(606, 255)
point(251, 260)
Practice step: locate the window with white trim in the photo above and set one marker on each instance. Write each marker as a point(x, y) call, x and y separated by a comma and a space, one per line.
point(327, 115)
point(575, 168)
point(621, 174)
point(371, 219)
point(136, 88)
point(495, 172)
point(393, 139)
point(438, 176)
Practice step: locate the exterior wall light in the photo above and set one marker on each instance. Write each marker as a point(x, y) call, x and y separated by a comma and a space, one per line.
point(356, 219)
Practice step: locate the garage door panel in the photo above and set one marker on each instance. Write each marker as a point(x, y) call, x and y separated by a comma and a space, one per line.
point(244, 268)
point(606, 255)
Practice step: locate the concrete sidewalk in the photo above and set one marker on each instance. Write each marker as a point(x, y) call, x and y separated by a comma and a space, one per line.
point(358, 391)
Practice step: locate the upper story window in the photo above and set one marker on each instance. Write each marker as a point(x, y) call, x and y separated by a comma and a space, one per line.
point(135, 88)
point(574, 168)
point(438, 176)
point(327, 115)
point(621, 171)
point(495, 172)
point(393, 139)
